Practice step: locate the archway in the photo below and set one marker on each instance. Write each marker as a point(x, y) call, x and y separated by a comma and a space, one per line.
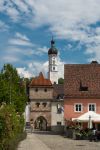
point(40, 123)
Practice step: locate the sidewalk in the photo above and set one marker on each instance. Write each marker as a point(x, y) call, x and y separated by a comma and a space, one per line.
point(32, 143)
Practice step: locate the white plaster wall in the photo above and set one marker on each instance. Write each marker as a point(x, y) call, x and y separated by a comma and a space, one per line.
point(55, 117)
point(54, 77)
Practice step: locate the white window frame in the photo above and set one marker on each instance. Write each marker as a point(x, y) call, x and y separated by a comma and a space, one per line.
point(78, 104)
point(92, 104)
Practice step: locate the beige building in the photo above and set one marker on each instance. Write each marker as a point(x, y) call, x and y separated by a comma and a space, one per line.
point(46, 97)
point(40, 95)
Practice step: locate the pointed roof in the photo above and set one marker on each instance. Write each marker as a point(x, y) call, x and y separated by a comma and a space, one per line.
point(40, 81)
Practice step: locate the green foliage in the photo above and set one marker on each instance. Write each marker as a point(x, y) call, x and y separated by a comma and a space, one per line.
point(12, 88)
point(11, 125)
point(60, 81)
point(12, 105)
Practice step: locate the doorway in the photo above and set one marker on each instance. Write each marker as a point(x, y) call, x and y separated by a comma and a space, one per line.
point(40, 124)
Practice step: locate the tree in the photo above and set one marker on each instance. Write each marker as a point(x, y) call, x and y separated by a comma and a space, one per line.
point(12, 88)
point(60, 81)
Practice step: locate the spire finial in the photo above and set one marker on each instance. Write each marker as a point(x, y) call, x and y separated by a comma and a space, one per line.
point(52, 41)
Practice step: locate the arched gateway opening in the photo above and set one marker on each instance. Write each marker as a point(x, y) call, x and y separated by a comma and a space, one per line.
point(40, 124)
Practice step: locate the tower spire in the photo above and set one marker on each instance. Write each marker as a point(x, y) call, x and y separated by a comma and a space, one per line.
point(52, 42)
point(53, 64)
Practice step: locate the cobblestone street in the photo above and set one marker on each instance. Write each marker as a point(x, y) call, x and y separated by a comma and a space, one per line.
point(47, 141)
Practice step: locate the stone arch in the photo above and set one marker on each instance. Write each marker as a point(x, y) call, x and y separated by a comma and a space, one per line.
point(40, 123)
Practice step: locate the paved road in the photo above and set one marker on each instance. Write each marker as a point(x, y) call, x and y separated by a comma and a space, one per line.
point(32, 143)
point(46, 141)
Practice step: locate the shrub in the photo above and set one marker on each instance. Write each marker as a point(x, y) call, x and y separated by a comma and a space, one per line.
point(11, 126)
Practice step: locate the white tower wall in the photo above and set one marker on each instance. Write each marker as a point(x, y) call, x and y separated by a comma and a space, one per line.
point(53, 68)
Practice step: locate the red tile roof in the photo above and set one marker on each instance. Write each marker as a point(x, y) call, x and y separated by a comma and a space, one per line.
point(82, 80)
point(40, 81)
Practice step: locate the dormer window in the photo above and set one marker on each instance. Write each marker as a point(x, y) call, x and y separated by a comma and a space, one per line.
point(83, 88)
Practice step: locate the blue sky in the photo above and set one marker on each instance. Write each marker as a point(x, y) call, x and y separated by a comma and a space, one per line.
point(27, 26)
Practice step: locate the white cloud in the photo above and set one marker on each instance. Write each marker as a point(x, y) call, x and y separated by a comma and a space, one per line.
point(24, 73)
point(20, 36)
point(20, 40)
point(3, 26)
point(21, 44)
point(66, 19)
point(10, 59)
point(33, 69)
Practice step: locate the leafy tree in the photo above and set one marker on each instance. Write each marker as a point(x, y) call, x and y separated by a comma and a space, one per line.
point(12, 88)
point(12, 105)
point(11, 125)
point(60, 81)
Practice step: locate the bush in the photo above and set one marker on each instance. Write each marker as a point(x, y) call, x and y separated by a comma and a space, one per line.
point(11, 127)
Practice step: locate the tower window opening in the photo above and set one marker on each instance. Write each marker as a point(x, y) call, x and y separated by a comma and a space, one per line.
point(36, 90)
point(45, 90)
point(53, 62)
point(53, 68)
point(44, 104)
point(37, 105)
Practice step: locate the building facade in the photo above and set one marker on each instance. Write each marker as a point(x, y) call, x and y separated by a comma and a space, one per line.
point(57, 109)
point(40, 95)
point(81, 89)
point(46, 97)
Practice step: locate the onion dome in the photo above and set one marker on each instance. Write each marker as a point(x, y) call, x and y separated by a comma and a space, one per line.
point(53, 49)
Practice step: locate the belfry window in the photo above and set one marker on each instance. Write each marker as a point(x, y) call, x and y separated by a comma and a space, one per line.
point(53, 68)
point(53, 62)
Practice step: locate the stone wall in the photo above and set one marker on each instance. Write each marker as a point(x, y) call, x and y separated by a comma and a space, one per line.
point(41, 93)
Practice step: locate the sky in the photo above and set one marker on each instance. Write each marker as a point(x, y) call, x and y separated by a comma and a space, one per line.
point(27, 26)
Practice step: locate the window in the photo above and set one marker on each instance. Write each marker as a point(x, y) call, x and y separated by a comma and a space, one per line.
point(36, 89)
point(37, 105)
point(82, 87)
point(91, 107)
point(59, 109)
point(78, 107)
point(53, 68)
point(59, 123)
point(45, 90)
point(44, 104)
point(53, 62)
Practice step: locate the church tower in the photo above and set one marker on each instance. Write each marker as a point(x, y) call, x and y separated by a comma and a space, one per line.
point(53, 63)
